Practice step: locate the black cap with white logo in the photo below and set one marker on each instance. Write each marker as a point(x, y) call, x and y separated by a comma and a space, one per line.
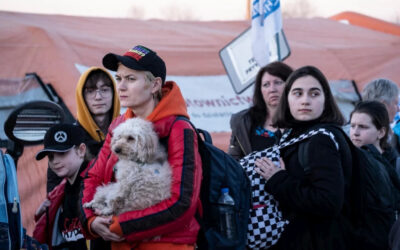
point(61, 138)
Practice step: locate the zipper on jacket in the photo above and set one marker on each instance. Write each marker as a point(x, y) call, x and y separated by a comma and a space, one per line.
point(240, 145)
point(15, 206)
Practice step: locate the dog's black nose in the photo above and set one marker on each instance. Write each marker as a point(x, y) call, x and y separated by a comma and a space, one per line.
point(117, 150)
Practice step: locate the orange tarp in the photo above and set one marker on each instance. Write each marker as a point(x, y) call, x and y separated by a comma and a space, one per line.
point(368, 22)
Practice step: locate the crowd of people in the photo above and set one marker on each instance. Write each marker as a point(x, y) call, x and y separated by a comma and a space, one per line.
point(312, 184)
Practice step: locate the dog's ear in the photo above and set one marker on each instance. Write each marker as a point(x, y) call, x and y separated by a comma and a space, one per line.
point(149, 145)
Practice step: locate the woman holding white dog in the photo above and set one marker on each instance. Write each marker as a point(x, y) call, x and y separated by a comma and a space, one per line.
point(170, 224)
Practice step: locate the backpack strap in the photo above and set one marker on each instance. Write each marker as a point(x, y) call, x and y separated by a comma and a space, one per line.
point(205, 134)
point(273, 153)
point(304, 147)
point(310, 133)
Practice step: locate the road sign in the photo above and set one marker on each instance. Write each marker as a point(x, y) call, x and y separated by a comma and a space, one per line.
point(239, 63)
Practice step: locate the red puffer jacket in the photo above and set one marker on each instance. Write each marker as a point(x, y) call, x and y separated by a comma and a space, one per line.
point(43, 231)
point(172, 220)
point(44, 228)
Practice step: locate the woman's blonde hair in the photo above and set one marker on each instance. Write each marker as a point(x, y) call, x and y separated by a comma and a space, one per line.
point(150, 78)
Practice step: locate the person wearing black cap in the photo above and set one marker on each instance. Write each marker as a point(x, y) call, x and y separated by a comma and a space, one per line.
point(57, 222)
point(97, 105)
point(170, 224)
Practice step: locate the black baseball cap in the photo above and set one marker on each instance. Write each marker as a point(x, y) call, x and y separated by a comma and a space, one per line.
point(61, 138)
point(137, 58)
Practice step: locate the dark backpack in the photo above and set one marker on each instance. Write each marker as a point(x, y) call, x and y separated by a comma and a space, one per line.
point(11, 231)
point(372, 199)
point(220, 170)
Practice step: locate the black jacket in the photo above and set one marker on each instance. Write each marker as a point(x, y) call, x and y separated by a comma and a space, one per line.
point(381, 200)
point(391, 155)
point(314, 200)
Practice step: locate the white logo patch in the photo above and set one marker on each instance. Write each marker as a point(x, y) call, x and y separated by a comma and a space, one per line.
point(60, 136)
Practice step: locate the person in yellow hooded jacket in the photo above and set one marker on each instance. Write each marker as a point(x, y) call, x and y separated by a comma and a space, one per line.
point(97, 106)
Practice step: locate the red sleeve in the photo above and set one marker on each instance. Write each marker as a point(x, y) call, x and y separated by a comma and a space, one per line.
point(42, 227)
point(171, 214)
point(98, 173)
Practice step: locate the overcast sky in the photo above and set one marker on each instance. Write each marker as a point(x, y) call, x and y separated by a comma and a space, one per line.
point(198, 10)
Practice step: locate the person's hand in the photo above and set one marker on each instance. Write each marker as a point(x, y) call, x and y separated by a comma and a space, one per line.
point(100, 226)
point(266, 168)
point(42, 208)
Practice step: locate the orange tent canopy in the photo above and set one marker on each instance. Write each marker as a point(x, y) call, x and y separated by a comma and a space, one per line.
point(368, 22)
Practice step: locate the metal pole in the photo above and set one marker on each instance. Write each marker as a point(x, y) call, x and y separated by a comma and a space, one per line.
point(278, 47)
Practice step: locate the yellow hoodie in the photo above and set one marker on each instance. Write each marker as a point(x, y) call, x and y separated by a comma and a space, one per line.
point(84, 116)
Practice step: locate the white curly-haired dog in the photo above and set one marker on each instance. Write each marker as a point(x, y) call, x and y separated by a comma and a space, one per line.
point(143, 175)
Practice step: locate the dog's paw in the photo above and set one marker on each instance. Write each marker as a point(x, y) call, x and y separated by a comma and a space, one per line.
point(101, 208)
point(106, 211)
point(95, 205)
point(88, 205)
